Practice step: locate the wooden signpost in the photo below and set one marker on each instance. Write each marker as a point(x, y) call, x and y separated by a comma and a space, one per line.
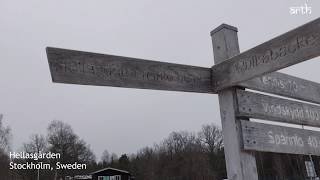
point(298, 45)
point(77, 67)
point(241, 165)
point(253, 105)
point(279, 139)
point(285, 85)
point(234, 71)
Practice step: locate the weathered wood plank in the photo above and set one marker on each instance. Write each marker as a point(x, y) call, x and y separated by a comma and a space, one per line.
point(265, 107)
point(298, 45)
point(285, 85)
point(279, 139)
point(240, 165)
point(76, 67)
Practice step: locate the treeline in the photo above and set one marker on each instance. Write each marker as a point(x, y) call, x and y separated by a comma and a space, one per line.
point(61, 139)
point(200, 156)
point(181, 156)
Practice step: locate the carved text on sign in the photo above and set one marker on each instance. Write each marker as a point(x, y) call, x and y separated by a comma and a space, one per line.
point(299, 43)
point(292, 112)
point(112, 71)
point(254, 105)
point(293, 47)
point(86, 68)
point(279, 139)
point(280, 83)
point(284, 139)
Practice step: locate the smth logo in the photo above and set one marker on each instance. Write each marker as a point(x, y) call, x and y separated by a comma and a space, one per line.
point(304, 9)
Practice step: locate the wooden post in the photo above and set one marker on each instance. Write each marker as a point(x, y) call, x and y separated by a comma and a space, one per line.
point(241, 165)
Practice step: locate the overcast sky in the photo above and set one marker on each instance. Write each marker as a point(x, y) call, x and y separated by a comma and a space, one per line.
point(118, 119)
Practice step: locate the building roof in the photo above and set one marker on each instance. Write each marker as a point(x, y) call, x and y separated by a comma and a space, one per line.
point(112, 169)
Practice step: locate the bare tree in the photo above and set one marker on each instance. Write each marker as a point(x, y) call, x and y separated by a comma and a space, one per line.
point(82, 152)
point(62, 139)
point(36, 144)
point(114, 158)
point(5, 136)
point(211, 136)
point(105, 158)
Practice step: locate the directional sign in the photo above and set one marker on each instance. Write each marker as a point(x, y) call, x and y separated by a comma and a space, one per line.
point(76, 67)
point(285, 85)
point(279, 139)
point(265, 107)
point(298, 45)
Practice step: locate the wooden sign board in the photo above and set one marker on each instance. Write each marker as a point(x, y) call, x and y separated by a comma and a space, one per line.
point(76, 67)
point(265, 107)
point(285, 85)
point(298, 45)
point(279, 139)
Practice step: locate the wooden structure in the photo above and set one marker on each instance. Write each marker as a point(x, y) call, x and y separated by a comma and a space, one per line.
point(232, 73)
point(111, 174)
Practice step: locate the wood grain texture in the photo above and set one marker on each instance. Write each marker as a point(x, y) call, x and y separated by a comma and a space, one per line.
point(240, 165)
point(285, 85)
point(265, 107)
point(298, 45)
point(279, 139)
point(77, 67)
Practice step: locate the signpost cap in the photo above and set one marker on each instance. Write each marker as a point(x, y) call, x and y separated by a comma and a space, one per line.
point(223, 26)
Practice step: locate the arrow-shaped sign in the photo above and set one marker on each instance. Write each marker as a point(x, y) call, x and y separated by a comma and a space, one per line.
point(298, 45)
point(77, 67)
